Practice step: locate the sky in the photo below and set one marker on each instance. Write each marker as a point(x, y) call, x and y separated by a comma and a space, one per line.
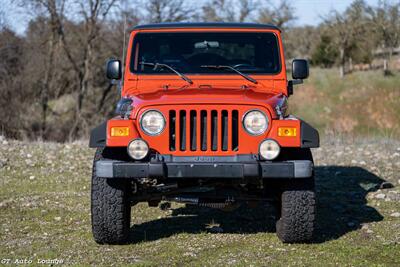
point(308, 12)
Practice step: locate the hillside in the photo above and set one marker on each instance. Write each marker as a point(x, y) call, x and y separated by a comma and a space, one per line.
point(364, 103)
point(44, 203)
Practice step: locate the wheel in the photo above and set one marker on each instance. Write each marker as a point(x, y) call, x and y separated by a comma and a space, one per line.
point(297, 213)
point(110, 206)
point(297, 206)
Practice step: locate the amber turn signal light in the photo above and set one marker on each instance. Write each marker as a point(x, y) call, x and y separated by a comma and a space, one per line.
point(119, 131)
point(287, 132)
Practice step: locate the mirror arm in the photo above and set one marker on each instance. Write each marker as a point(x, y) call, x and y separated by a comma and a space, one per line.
point(297, 81)
point(114, 82)
point(291, 83)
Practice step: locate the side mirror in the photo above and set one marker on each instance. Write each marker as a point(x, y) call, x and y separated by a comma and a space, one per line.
point(113, 69)
point(300, 69)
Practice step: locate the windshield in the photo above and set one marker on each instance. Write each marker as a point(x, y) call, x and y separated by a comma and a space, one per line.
point(189, 52)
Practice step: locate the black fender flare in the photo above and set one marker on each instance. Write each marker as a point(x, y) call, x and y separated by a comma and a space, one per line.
point(98, 136)
point(309, 136)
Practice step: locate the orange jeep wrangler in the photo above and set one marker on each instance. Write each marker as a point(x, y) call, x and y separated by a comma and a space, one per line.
point(203, 120)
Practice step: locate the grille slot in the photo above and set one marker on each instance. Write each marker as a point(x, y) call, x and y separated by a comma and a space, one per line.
point(203, 130)
point(214, 130)
point(182, 130)
point(224, 129)
point(172, 130)
point(203, 126)
point(193, 130)
point(235, 130)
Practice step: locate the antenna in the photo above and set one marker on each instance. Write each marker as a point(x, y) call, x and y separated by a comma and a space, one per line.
point(123, 49)
point(123, 53)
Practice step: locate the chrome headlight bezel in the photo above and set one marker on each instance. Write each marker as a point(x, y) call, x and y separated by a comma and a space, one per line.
point(264, 129)
point(146, 131)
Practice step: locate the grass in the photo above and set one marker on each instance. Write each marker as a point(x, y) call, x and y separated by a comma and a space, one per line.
point(45, 214)
point(363, 103)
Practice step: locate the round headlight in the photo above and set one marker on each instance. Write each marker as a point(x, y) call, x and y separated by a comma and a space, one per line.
point(152, 122)
point(138, 149)
point(269, 149)
point(255, 122)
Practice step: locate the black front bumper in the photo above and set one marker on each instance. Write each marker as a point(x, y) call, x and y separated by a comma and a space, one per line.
point(257, 169)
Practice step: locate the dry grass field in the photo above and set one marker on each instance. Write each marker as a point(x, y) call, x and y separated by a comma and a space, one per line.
point(45, 214)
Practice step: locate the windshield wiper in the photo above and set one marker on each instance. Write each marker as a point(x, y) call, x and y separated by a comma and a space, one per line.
point(157, 65)
point(247, 77)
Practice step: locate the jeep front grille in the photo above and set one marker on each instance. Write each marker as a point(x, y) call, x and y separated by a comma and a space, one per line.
point(203, 130)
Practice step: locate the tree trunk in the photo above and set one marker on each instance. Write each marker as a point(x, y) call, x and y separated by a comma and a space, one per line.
point(84, 79)
point(342, 63)
point(350, 65)
point(49, 70)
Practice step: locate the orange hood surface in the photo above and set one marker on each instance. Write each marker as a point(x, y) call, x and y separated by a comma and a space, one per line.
point(207, 96)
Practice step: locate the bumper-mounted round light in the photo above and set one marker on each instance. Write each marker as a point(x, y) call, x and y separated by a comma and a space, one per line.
point(152, 122)
point(269, 149)
point(138, 149)
point(255, 122)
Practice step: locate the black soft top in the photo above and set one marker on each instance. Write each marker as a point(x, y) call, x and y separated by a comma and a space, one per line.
point(189, 25)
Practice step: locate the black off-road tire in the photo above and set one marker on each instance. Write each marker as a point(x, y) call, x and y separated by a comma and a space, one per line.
point(296, 204)
point(110, 206)
point(297, 214)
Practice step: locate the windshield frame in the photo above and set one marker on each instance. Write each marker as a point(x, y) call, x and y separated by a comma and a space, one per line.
point(134, 54)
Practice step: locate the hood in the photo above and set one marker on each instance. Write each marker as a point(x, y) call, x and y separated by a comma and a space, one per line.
point(269, 100)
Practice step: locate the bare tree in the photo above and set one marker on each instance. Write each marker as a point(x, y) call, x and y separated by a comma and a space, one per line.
point(94, 13)
point(246, 8)
point(157, 11)
point(281, 15)
point(54, 10)
point(228, 10)
point(386, 25)
point(3, 21)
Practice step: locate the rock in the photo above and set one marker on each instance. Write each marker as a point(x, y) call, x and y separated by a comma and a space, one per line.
point(32, 177)
point(5, 142)
point(393, 196)
point(369, 231)
point(3, 163)
point(216, 229)
point(380, 196)
point(57, 219)
point(363, 163)
point(395, 214)
point(386, 185)
point(353, 161)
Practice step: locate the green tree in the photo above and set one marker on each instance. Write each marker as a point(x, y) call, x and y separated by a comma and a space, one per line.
point(325, 53)
point(348, 31)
